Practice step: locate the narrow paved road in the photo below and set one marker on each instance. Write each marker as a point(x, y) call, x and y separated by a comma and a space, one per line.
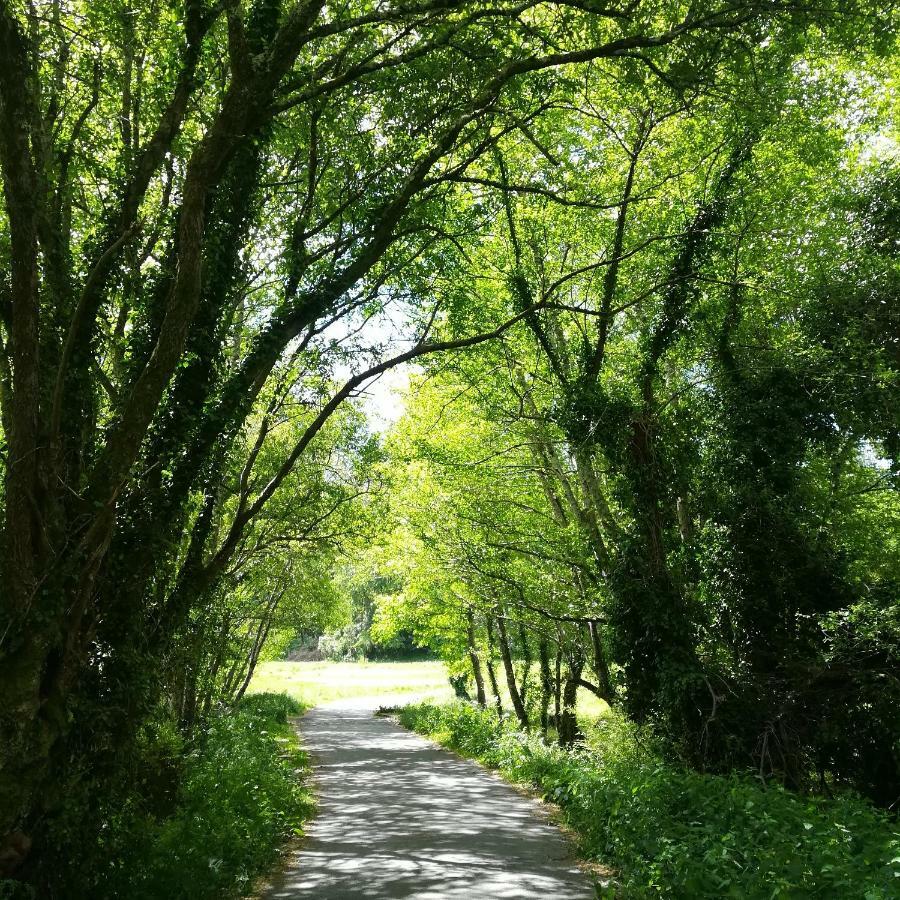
point(401, 818)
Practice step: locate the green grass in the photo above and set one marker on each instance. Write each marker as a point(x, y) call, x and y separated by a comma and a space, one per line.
point(242, 795)
point(589, 706)
point(316, 682)
point(674, 833)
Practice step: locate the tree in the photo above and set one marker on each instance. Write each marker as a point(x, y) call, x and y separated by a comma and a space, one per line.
point(685, 396)
point(193, 196)
point(490, 575)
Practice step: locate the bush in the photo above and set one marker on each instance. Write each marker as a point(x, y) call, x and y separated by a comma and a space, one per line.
point(677, 833)
point(15, 890)
point(273, 707)
point(345, 644)
point(355, 642)
point(238, 797)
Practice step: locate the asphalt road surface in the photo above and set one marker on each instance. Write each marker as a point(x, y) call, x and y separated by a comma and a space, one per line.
point(399, 817)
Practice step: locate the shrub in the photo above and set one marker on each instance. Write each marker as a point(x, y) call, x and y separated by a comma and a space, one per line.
point(274, 707)
point(677, 833)
point(238, 796)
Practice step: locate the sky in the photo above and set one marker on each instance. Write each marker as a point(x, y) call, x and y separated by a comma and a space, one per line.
point(382, 398)
point(382, 401)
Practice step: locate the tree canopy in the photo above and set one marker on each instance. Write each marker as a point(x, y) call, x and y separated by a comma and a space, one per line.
point(643, 257)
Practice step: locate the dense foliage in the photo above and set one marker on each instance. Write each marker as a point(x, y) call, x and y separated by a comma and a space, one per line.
point(354, 640)
point(212, 822)
point(645, 254)
point(677, 485)
point(674, 833)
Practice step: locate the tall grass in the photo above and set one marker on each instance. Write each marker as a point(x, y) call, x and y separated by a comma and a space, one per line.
point(241, 795)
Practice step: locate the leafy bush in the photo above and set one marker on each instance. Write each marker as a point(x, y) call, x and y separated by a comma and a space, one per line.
point(676, 833)
point(347, 643)
point(275, 707)
point(356, 641)
point(239, 795)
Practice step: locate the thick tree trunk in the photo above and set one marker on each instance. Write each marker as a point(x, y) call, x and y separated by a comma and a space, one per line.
point(495, 687)
point(600, 663)
point(567, 723)
point(189, 703)
point(216, 665)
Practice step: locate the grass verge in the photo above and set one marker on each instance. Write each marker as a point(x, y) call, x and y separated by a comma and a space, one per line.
point(241, 796)
point(681, 834)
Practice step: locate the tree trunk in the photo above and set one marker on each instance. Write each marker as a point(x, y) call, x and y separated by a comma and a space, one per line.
point(259, 642)
point(495, 688)
point(567, 723)
point(526, 663)
point(601, 666)
point(489, 665)
point(557, 686)
point(473, 658)
point(505, 654)
point(546, 684)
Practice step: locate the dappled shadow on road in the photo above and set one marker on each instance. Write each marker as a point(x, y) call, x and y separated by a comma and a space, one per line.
point(400, 818)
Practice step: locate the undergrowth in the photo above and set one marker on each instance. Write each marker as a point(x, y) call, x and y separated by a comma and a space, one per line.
point(241, 795)
point(237, 796)
point(681, 834)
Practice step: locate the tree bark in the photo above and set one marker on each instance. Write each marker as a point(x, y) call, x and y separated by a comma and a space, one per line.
point(557, 686)
point(506, 655)
point(473, 658)
point(567, 723)
point(526, 663)
point(546, 684)
point(600, 664)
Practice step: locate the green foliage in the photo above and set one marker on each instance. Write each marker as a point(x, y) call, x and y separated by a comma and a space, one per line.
point(270, 706)
point(676, 833)
point(357, 639)
point(15, 890)
point(691, 448)
point(664, 478)
point(239, 795)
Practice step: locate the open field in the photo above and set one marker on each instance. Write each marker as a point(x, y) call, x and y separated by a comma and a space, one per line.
point(316, 682)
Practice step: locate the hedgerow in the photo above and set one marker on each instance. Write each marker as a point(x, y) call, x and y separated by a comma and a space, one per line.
point(237, 794)
point(670, 832)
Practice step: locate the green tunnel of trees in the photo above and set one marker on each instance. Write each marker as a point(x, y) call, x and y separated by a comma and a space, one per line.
point(640, 264)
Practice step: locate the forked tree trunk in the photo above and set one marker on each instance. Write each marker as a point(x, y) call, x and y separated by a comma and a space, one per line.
point(495, 688)
point(567, 723)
